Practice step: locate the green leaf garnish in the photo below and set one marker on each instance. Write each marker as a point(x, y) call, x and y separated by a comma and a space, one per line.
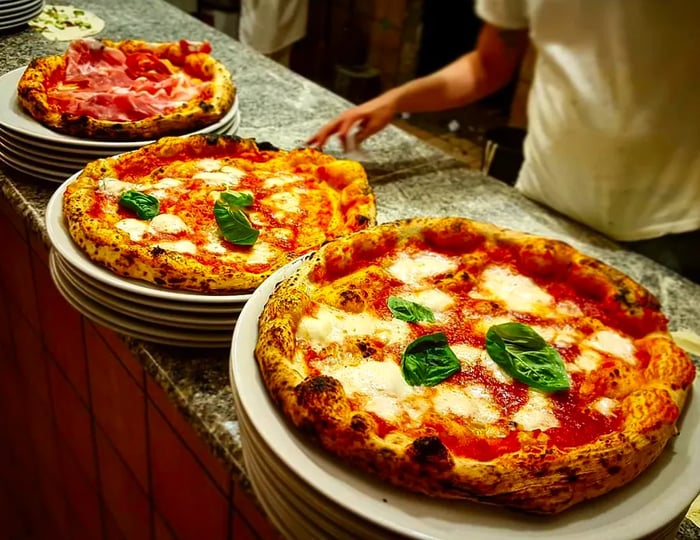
point(526, 356)
point(233, 223)
point(428, 360)
point(236, 198)
point(145, 206)
point(408, 311)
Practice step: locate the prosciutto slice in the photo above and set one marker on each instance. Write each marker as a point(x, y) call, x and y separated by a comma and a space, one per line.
point(103, 82)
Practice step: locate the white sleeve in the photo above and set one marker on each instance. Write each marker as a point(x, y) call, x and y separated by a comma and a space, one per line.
point(508, 14)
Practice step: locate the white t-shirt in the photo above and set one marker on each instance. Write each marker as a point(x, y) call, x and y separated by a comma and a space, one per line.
point(271, 25)
point(614, 111)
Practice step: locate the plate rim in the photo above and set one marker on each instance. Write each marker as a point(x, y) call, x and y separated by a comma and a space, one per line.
point(10, 112)
point(302, 457)
point(132, 328)
point(64, 244)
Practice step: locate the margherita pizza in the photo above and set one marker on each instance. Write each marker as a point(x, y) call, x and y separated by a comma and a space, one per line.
point(461, 360)
point(210, 213)
point(127, 90)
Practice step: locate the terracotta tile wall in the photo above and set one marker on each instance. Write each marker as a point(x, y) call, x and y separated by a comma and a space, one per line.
point(91, 447)
point(382, 35)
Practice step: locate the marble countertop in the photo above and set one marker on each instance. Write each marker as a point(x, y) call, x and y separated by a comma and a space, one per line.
point(409, 177)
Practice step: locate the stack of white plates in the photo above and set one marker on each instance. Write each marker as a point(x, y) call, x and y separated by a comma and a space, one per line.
point(133, 307)
point(33, 149)
point(309, 494)
point(16, 13)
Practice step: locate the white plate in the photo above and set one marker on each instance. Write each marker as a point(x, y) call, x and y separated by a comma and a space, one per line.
point(659, 495)
point(125, 325)
point(159, 316)
point(9, 9)
point(24, 13)
point(63, 242)
point(20, 22)
point(39, 154)
point(13, 4)
point(197, 310)
point(66, 151)
point(14, 118)
point(32, 151)
point(282, 489)
point(32, 171)
point(42, 165)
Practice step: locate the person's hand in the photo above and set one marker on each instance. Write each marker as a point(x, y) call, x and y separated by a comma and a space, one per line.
point(357, 123)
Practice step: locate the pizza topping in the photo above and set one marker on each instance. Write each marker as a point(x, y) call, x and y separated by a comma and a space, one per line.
point(226, 176)
point(536, 413)
point(135, 228)
point(181, 246)
point(434, 299)
point(330, 325)
point(409, 311)
point(169, 224)
point(145, 206)
point(412, 269)
point(605, 405)
point(517, 292)
point(113, 187)
point(610, 342)
point(234, 225)
point(526, 356)
point(428, 360)
point(107, 83)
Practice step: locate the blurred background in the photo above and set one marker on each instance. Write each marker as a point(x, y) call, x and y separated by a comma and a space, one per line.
point(359, 48)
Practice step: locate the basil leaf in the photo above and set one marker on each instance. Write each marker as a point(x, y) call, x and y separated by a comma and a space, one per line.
point(526, 356)
point(234, 225)
point(146, 206)
point(236, 198)
point(428, 360)
point(406, 310)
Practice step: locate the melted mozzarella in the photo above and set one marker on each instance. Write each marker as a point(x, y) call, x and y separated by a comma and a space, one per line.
point(261, 253)
point(587, 360)
point(233, 172)
point(114, 187)
point(472, 401)
point(558, 335)
point(605, 406)
point(167, 183)
point(382, 388)
point(280, 179)
point(566, 307)
point(434, 299)
point(214, 243)
point(217, 178)
point(181, 246)
point(469, 357)
point(168, 223)
point(331, 325)
point(610, 342)
point(135, 228)
point(285, 203)
point(517, 292)
point(536, 413)
point(209, 164)
point(413, 269)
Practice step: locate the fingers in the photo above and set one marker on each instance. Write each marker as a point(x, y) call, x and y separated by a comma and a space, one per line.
point(321, 136)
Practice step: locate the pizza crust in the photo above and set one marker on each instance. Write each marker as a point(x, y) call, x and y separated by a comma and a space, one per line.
point(91, 217)
point(197, 113)
point(537, 478)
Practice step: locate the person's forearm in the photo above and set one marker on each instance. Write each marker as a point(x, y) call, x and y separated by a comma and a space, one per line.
point(457, 84)
point(469, 78)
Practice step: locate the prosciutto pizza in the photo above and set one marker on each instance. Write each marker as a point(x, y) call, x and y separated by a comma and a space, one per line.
point(460, 360)
point(128, 90)
point(213, 213)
